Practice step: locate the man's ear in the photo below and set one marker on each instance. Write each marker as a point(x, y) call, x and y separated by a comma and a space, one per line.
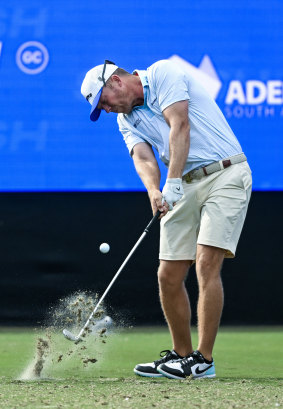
point(116, 79)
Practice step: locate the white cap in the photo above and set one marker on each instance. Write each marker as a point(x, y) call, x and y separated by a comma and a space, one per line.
point(92, 86)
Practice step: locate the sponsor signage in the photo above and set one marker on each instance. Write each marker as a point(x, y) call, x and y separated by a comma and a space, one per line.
point(32, 57)
point(47, 141)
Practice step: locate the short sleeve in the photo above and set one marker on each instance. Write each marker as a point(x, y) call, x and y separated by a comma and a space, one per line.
point(131, 139)
point(170, 83)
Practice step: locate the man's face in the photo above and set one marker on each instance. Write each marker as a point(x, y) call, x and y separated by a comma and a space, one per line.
point(115, 99)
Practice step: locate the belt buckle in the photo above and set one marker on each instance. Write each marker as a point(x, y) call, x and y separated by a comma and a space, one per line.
point(188, 178)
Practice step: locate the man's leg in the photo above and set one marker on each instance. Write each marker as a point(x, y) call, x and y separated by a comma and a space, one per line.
point(175, 303)
point(210, 304)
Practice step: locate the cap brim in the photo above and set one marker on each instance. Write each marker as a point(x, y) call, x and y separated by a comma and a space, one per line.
point(95, 112)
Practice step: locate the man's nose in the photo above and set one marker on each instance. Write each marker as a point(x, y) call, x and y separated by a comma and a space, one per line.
point(107, 108)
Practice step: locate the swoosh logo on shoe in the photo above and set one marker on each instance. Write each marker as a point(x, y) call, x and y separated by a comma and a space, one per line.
point(199, 371)
point(178, 188)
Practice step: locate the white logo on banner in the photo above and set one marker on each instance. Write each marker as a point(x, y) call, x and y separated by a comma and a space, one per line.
point(249, 99)
point(205, 74)
point(32, 57)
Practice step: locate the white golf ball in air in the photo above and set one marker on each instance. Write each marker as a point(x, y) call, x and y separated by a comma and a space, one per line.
point(104, 248)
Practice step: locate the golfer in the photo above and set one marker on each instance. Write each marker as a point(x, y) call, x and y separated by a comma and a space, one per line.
point(203, 202)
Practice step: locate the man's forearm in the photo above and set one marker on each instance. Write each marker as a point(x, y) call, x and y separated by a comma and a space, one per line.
point(179, 143)
point(176, 116)
point(149, 173)
point(148, 170)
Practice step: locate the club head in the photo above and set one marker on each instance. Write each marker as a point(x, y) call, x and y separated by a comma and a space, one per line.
point(71, 337)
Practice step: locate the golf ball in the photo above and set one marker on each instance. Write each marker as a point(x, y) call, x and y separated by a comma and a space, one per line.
point(104, 248)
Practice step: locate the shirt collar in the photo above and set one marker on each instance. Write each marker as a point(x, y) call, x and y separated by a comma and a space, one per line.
point(143, 77)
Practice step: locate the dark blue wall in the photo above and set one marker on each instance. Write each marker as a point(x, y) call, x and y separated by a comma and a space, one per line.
point(50, 248)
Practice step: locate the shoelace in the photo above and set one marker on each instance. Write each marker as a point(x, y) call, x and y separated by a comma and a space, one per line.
point(166, 355)
point(188, 362)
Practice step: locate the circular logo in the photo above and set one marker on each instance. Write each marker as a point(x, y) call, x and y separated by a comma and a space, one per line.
point(32, 57)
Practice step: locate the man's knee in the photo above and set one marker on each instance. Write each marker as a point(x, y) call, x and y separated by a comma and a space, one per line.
point(172, 274)
point(166, 278)
point(209, 261)
point(207, 266)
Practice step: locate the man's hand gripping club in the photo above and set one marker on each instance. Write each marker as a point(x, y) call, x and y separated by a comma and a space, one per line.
point(172, 192)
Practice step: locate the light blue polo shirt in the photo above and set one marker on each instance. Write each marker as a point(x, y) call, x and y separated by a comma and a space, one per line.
point(164, 83)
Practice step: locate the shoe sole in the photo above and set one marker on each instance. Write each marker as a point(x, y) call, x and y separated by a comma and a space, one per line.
point(170, 376)
point(205, 376)
point(148, 375)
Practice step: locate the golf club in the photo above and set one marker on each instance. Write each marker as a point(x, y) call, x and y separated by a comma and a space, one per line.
point(77, 338)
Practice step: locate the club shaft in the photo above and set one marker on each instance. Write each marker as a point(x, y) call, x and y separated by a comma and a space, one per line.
point(111, 283)
point(119, 271)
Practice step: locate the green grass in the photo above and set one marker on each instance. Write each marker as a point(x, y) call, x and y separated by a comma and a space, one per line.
point(248, 362)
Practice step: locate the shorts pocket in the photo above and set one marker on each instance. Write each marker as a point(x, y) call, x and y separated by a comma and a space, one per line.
point(246, 177)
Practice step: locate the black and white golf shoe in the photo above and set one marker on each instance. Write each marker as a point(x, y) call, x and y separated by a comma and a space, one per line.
point(194, 365)
point(150, 369)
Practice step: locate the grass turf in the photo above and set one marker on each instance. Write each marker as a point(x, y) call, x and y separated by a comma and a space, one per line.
point(248, 362)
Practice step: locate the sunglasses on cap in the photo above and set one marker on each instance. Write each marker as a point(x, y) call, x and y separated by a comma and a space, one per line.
point(104, 68)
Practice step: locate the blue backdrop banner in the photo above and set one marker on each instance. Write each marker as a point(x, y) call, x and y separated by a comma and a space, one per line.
point(47, 141)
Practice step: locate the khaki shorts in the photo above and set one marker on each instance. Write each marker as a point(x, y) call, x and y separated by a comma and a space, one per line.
point(211, 212)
